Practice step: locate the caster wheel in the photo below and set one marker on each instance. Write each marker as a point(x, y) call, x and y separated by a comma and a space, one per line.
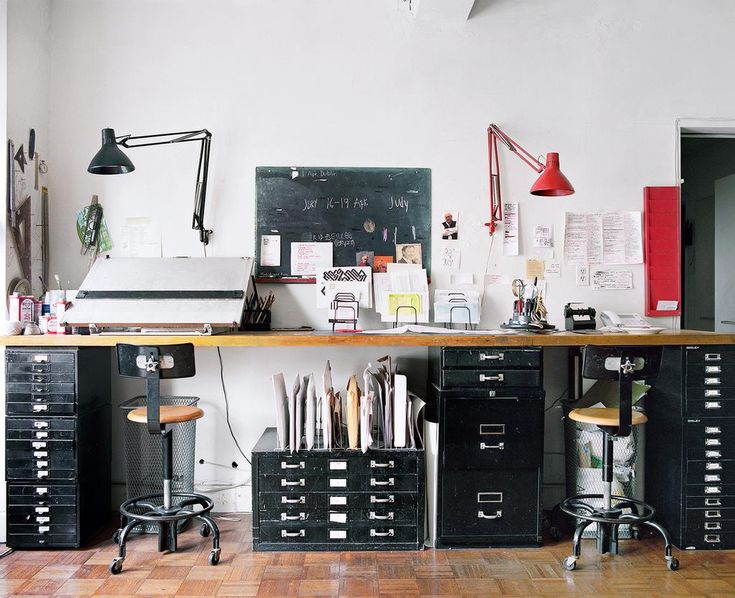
point(635, 533)
point(204, 530)
point(672, 564)
point(116, 536)
point(570, 563)
point(555, 533)
point(214, 557)
point(116, 566)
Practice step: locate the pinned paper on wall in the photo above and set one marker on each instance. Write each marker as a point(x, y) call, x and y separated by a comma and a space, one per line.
point(552, 270)
point(307, 258)
point(270, 250)
point(609, 238)
point(612, 280)
point(141, 237)
point(534, 269)
point(543, 241)
point(449, 258)
point(510, 229)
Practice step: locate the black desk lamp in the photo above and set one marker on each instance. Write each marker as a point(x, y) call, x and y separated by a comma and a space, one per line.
point(111, 160)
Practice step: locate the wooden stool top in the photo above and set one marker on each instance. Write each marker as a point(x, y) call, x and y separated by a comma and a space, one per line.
point(170, 414)
point(604, 416)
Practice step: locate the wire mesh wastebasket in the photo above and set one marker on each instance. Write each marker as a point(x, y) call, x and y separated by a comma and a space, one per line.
point(583, 448)
point(144, 454)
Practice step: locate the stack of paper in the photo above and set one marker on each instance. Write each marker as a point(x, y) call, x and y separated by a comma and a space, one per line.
point(402, 293)
point(457, 307)
point(357, 280)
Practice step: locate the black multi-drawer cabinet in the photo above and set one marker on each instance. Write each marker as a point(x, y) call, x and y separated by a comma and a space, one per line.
point(337, 499)
point(690, 446)
point(489, 403)
point(57, 445)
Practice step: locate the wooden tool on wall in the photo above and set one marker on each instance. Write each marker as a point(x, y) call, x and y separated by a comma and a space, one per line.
point(21, 230)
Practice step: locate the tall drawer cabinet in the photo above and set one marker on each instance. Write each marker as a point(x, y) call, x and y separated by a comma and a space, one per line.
point(337, 499)
point(489, 403)
point(690, 447)
point(57, 445)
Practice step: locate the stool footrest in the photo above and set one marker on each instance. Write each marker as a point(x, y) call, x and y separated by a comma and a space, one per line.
point(644, 511)
point(176, 512)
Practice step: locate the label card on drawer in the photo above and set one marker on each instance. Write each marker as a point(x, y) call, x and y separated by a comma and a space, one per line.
point(337, 534)
point(337, 501)
point(337, 465)
point(337, 517)
point(338, 482)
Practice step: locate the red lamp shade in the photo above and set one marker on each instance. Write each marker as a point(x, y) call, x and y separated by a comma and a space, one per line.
point(552, 182)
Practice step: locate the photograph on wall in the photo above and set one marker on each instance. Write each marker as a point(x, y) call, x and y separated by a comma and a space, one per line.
point(380, 263)
point(364, 258)
point(450, 226)
point(408, 253)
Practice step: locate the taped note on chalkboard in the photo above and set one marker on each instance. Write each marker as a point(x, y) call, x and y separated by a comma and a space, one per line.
point(270, 250)
point(307, 258)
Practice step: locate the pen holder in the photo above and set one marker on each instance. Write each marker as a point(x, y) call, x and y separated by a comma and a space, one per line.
point(256, 320)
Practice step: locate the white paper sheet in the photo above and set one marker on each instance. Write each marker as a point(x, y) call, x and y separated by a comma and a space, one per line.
point(307, 258)
point(613, 280)
point(270, 250)
point(141, 237)
point(510, 229)
point(449, 257)
point(610, 238)
point(326, 408)
point(552, 270)
point(543, 241)
point(349, 279)
point(282, 420)
point(310, 431)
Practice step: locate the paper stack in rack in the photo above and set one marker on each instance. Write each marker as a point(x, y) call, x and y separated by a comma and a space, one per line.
point(402, 293)
point(457, 307)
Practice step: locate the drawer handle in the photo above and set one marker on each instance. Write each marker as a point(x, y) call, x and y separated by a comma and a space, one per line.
point(43, 519)
point(712, 405)
point(293, 501)
point(497, 515)
point(712, 490)
point(715, 466)
point(41, 434)
point(301, 482)
point(40, 369)
point(389, 499)
point(712, 430)
point(500, 446)
point(374, 515)
point(39, 408)
point(44, 529)
point(37, 388)
point(42, 474)
point(712, 442)
point(712, 477)
point(388, 482)
point(712, 357)
point(492, 356)
point(40, 454)
point(38, 398)
point(40, 425)
point(41, 491)
point(712, 502)
point(39, 445)
point(299, 534)
point(712, 525)
point(41, 510)
point(299, 517)
point(713, 514)
point(712, 369)
point(498, 378)
point(712, 392)
point(712, 454)
point(712, 538)
point(377, 534)
point(384, 465)
point(712, 381)
point(40, 358)
point(40, 379)
point(299, 465)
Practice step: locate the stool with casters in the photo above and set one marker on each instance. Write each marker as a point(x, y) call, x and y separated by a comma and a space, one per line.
point(624, 364)
point(169, 508)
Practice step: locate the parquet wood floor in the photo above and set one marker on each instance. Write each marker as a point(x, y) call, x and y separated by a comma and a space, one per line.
point(638, 571)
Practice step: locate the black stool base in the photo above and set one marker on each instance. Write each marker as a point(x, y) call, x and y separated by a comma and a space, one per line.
point(608, 521)
point(166, 519)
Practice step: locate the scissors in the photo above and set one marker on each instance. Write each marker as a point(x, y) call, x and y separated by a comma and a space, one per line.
point(519, 290)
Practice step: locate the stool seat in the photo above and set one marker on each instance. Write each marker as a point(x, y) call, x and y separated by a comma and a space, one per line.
point(604, 416)
point(170, 414)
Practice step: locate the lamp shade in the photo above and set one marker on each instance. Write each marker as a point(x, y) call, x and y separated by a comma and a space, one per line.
point(110, 159)
point(552, 182)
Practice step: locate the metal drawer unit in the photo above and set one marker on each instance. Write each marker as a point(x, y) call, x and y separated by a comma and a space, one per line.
point(691, 450)
point(57, 445)
point(337, 499)
point(489, 404)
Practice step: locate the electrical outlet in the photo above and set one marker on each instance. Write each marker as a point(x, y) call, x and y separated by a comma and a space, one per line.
point(583, 275)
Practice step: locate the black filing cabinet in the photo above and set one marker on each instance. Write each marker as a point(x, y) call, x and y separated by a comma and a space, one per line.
point(690, 446)
point(57, 445)
point(489, 402)
point(337, 499)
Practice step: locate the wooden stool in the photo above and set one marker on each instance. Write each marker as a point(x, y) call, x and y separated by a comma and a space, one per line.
point(624, 364)
point(154, 363)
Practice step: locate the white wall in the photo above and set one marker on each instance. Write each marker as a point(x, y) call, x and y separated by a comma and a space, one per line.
point(345, 82)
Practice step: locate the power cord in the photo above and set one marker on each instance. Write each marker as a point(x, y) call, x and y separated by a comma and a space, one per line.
point(559, 398)
point(227, 405)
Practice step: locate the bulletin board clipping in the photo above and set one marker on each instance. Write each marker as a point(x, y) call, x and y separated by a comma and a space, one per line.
point(309, 217)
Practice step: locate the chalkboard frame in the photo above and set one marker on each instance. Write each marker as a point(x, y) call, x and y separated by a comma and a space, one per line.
point(337, 204)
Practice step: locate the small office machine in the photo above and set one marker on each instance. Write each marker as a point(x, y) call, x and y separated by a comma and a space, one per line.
point(578, 316)
point(162, 295)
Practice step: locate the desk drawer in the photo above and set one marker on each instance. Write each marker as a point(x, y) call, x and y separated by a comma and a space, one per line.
point(378, 514)
point(38, 388)
point(711, 472)
point(41, 404)
point(721, 403)
point(42, 495)
point(495, 357)
point(710, 376)
point(711, 490)
point(484, 433)
point(336, 500)
point(42, 515)
point(54, 537)
point(711, 355)
point(30, 368)
point(490, 503)
point(710, 502)
point(39, 357)
point(709, 540)
point(487, 378)
point(40, 377)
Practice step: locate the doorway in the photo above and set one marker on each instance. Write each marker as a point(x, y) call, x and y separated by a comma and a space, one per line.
point(708, 229)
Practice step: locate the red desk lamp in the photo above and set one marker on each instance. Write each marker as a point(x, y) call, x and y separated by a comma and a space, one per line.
point(551, 183)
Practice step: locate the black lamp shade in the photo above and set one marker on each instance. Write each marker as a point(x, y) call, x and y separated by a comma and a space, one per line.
point(110, 159)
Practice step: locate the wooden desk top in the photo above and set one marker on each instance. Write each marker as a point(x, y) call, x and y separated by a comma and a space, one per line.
point(326, 339)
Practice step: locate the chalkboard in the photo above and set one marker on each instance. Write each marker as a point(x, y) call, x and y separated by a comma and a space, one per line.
point(356, 209)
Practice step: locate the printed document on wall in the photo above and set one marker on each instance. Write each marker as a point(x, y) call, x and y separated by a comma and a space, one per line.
point(510, 229)
point(610, 238)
